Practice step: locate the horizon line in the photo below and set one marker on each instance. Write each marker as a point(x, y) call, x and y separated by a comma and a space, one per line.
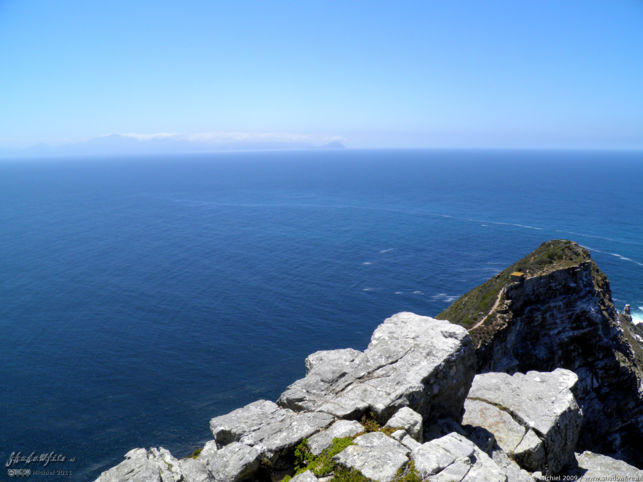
point(21, 155)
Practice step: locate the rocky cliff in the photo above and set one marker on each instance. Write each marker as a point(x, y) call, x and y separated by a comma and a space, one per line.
point(547, 371)
point(560, 314)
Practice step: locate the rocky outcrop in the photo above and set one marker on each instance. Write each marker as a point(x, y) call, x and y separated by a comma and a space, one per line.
point(412, 361)
point(561, 315)
point(265, 425)
point(415, 369)
point(453, 457)
point(556, 362)
point(270, 430)
point(235, 461)
point(142, 465)
point(534, 417)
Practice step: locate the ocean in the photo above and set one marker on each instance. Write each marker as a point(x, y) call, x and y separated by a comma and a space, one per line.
point(139, 297)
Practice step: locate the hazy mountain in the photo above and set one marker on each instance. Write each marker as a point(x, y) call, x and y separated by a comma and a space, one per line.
point(141, 144)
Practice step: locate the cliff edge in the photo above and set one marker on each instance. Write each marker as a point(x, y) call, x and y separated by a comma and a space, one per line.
point(554, 309)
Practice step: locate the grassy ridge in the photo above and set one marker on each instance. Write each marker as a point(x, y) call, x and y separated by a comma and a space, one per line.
point(549, 256)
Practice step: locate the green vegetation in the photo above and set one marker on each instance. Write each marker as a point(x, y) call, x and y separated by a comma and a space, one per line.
point(408, 474)
point(195, 454)
point(548, 257)
point(321, 464)
point(345, 475)
point(370, 424)
point(636, 346)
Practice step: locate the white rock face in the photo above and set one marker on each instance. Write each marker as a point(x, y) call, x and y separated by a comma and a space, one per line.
point(534, 417)
point(331, 360)
point(601, 467)
point(453, 457)
point(269, 429)
point(195, 469)
point(340, 429)
point(412, 361)
point(235, 461)
point(141, 465)
point(375, 455)
point(408, 419)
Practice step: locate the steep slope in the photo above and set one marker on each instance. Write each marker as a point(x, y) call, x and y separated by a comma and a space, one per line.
point(560, 314)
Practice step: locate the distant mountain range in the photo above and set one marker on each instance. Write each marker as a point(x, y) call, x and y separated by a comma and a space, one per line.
point(142, 144)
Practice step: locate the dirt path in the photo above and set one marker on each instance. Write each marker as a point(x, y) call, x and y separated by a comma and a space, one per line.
point(493, 308)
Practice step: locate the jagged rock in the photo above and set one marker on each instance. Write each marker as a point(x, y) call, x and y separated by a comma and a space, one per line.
point(307, 476)
point(194, 471)
point(235, 461)
point(270, 429)
point(375, 455)
point(453, 457)
point(412, 360)
point(141, 465)
point(408, 419)
point(534, 417)
point(562, 315)
point(341, 428)
point(593, 466)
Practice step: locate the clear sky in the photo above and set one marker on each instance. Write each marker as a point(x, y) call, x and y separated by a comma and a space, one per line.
point(374, 74)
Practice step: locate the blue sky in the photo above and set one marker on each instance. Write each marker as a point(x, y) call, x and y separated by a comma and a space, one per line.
point(373, 74)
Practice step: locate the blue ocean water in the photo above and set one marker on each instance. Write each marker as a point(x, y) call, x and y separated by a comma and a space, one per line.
point(141, 297)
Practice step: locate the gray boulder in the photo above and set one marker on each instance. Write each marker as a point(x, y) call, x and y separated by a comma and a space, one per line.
point(412, 361)
point(142, 465)
point(195, 468)
point(453, 457)
point(375, 455)
point(271, 430)
point(534, 417)
point(194, 471)
point(235, 461)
